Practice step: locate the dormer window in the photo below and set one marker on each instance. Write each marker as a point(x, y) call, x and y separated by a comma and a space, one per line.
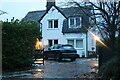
point(75, 22)
point(53, 23)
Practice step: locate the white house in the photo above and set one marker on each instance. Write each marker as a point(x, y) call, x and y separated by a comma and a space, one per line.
point(64, 26)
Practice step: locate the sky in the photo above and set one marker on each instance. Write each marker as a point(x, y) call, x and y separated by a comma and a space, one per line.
point(19, 8)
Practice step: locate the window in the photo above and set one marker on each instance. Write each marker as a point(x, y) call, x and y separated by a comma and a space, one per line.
point(55, 41)
point(72, 22)
point(52, 23)
point(78, 22)
point(77, 43)
point(75, 22)
point(52, 42)
point(55, 23)
point(71, 42)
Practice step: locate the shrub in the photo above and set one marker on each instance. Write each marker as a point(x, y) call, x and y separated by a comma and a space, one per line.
point(18, 41)
point(111, 69)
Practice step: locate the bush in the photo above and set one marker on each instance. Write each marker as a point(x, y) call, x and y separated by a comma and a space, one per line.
point(18, 41)
point(111, 69)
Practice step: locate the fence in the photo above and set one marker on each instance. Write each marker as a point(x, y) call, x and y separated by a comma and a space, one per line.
point(39, 56)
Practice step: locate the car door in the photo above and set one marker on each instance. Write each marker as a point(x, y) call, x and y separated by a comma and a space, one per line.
point(55, 50)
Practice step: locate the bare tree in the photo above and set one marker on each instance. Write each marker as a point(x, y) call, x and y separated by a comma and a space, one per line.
point(2, 12)
point(106, 17)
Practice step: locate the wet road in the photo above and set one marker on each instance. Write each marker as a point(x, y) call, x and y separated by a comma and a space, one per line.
point(54, 69)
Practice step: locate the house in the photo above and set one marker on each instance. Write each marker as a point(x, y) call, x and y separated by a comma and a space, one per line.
point(64, 26)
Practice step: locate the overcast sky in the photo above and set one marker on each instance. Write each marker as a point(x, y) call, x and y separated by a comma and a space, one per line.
point(19, 8)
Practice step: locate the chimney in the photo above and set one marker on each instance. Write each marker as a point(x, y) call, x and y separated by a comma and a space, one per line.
point(50, 3)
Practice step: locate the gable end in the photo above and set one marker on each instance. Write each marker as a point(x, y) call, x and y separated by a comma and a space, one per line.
point(49, 9)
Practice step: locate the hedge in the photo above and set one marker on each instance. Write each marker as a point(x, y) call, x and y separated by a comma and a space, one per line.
point(111, 69)
point(18, 44)
point(109, 62)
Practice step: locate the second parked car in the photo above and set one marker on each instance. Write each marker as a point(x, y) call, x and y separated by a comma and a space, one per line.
point(59, 51)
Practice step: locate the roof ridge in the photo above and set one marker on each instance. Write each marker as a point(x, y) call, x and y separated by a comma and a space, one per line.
point(37, 11)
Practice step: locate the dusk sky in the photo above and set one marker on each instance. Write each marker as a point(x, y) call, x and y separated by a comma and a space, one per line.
point(19, 8)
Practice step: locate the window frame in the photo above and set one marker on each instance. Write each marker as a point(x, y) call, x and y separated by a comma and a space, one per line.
point(75, 22)
point(53, 24)
point(71, 40)
point(53, 41)
point(82, 44)
point(75, 43)
point(50, 25)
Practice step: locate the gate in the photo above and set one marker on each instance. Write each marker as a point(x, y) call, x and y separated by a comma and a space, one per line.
point(38, 56)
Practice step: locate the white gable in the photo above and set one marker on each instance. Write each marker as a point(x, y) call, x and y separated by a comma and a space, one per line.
point(82, 41)
point(47, 33)
point(53, 13)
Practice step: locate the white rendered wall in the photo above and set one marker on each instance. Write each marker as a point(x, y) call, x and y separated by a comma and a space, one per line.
point(62, 39)
point(75, 36)
point(52, 33)
point(91, 42)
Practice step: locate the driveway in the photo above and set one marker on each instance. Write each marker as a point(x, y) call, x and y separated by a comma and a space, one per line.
point(69, 69)
point(54, 69)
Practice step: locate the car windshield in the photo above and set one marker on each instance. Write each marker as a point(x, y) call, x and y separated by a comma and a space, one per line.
point(67, 47)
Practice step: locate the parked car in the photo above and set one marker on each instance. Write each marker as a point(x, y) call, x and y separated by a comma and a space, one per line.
point(59, 51)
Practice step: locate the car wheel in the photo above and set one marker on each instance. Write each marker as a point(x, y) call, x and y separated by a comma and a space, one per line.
point(45, 57)
point(58, 57)
point(73, 59)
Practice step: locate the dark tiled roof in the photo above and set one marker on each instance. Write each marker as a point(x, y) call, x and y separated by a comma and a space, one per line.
point(34, 15)
point(72, 11)
point(68, 12)
point(49, 9)
point(75, 12)
point(66, 28)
